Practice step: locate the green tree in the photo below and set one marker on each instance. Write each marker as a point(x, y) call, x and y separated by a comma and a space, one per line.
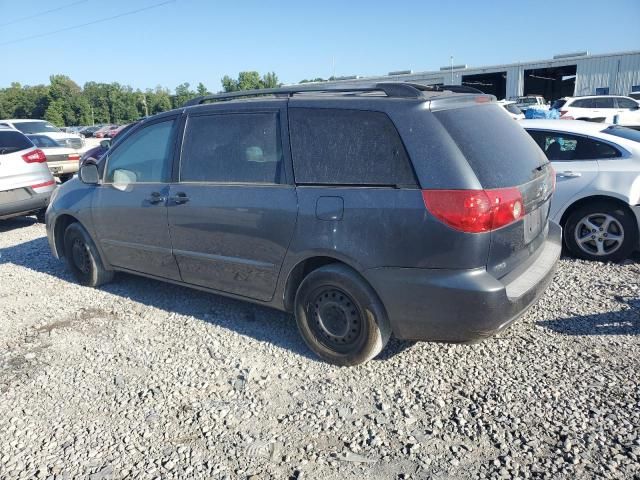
point(55, 113)
point(249, 81)
point(183, 94)
point(202, 90)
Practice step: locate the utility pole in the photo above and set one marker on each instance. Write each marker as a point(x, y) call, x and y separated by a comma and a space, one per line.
point(92, 119)
point(144, 102)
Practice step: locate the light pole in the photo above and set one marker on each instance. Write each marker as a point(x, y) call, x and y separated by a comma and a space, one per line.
point(451, 60)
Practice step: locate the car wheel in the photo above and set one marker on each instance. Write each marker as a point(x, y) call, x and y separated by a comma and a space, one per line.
point(602, 231)
point(83, 259)
point(340, 317)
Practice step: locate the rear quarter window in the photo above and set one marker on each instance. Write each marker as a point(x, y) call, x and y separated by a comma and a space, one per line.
point(498, 149)
point(12, 141)
point(347, 147)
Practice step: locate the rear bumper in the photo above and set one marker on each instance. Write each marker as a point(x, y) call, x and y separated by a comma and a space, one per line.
point(462, 305)
point(64, 168)
point(22, 201)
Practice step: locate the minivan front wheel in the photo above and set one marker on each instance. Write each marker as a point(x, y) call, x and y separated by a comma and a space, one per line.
point(340, 317)
point(601, 231)
point(83, 259)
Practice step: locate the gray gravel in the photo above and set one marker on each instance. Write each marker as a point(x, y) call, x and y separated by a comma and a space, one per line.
point(142, 379)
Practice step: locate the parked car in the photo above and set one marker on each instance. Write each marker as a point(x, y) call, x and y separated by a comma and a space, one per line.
point(512, 109)
point(597, 199)
point(45, 128)
point(361, 214)
point(529, 101)
point(25, 181)
point(601, 108)
point(102, 131)
point(62, 161)
point(89, 131)
point(94, 154)
point(115, 131)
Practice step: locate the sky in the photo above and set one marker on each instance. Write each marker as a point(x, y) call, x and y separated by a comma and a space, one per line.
point(170, 42)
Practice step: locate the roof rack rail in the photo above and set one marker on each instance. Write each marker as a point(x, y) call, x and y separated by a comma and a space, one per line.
point(391, 89)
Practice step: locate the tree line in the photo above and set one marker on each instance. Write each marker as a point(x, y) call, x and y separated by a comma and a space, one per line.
point(64, 103)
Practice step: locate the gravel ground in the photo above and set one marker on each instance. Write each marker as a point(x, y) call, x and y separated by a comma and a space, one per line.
point(141, 379)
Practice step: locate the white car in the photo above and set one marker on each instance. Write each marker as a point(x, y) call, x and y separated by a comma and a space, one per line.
point(597, 197)
point(30, 127)
point(531, 101)
point(600, 108)
point(25, 181)
point(512, 109)
point(62, 161)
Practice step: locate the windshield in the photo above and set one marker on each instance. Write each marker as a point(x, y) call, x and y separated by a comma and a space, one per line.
point(623, 132)
point(512, 108)
point(35, 127)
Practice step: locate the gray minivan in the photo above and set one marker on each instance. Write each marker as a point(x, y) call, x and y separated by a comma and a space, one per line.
point(365, 211)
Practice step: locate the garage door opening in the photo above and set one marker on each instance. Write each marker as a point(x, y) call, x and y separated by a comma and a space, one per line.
point(551, 83)
point(490, 83)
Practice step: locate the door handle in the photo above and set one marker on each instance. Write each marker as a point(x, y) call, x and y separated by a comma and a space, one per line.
point(568, 174)
point(180, 198)
point(155, 198)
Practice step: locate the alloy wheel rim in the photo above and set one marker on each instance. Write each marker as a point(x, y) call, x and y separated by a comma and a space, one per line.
point(599, 234)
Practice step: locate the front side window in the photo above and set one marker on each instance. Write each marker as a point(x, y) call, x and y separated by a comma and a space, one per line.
point(232, 148)
point(348, 147)
point(560, 147)
point(144, 157)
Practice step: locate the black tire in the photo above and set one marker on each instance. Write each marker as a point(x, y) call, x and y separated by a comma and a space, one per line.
point(40, 215)
point(598, 243)
point(340, 317)
point(83, 259)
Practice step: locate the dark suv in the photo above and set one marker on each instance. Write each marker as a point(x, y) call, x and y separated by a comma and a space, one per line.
point(364, 211)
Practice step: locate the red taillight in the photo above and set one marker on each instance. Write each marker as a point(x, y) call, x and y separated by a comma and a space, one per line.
point(35, 156)
point(475, 211)
point(73, 156)
point(44, 184)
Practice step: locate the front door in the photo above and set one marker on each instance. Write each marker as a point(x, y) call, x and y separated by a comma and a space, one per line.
point(130, 209)
point(232, 212)
point(575, 162)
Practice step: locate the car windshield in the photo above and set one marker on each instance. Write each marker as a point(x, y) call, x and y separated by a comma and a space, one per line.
point(43, 141)
point(558, 104)
point(35, 127)
point(623, 132)
point(512, 108)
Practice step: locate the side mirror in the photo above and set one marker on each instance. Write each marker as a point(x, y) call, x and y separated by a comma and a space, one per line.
point(105, 143)
point(89, 174)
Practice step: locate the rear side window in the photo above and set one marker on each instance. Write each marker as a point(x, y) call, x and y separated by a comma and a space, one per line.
point(12, 141)
point(623, 132)
point(348, 147)
point(560, 147)
point(498, 149)
point(233, 148)
point(626, 103)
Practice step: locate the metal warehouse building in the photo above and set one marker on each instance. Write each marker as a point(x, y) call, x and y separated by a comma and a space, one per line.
point(563, 75)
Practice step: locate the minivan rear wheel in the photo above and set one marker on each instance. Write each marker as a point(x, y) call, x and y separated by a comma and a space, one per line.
point(340, 317)
point(83, 259)
point(602, 231)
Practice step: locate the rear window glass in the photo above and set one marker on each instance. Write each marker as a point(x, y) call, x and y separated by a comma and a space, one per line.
point(512, 108)
point(43, 141)
point(11, 141)
point(348, 147)
point(623, 132)
point(497, 148)
point(35, 127)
